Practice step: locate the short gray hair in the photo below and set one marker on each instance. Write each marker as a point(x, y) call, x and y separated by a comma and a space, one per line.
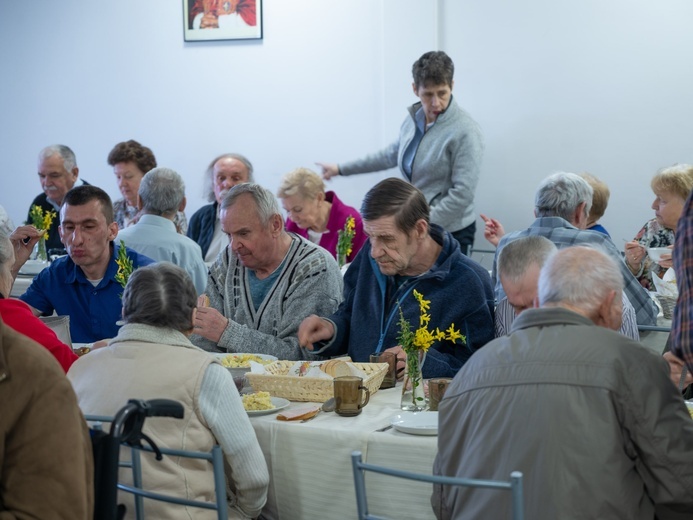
point(580, 276)
point(161, 295)
point(560, 194)
point(208, 188)
point(161, 191)
point(267, 206)
point(519, 255)
point(67, 155)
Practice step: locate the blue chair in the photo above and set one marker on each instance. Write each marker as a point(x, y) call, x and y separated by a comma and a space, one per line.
point(514, 485)
point(656, 338)
point(125, 431)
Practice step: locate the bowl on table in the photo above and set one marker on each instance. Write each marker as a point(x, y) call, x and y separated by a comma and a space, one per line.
point(231, 360)
point(655, 253)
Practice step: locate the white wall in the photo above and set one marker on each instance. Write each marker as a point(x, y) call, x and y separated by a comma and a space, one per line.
point(597, 85)
point(601, 86)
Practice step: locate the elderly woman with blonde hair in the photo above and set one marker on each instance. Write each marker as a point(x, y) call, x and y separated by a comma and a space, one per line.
point(317, 215)
point(671, 187)
point(600, 200)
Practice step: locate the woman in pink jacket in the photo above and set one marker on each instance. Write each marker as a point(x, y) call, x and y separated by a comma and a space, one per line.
point(316, 215)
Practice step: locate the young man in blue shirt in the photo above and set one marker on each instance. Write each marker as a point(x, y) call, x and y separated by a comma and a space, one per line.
point(81, 285)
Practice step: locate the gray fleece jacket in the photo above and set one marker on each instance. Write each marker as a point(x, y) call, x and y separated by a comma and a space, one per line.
point(446, 165)
point(309, 283)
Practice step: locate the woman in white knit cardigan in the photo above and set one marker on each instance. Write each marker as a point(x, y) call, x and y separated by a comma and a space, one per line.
point(152, 358)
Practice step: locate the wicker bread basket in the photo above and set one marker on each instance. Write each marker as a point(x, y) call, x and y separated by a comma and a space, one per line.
point(278, 384)
point(668, 303)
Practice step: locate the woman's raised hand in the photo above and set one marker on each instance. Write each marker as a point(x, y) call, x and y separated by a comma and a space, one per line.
point(329, 170)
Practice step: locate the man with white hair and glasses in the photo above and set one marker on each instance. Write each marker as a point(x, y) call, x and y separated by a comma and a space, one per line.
point(58, 173)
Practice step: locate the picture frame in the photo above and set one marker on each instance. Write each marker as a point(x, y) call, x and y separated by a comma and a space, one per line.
point(215, 20)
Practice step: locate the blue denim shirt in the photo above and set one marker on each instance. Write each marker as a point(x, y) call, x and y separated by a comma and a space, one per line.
point(93, 311)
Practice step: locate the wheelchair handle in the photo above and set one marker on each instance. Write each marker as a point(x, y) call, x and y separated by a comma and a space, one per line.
point(162, 408)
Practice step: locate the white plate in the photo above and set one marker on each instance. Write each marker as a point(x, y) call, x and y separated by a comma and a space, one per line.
point(416, 423)
point(33, 267)
point(278, 402)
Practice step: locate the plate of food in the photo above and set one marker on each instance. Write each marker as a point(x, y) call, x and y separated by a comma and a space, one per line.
point(416, 423)
point(242, 360)
point(239, 363)
point(261, 403)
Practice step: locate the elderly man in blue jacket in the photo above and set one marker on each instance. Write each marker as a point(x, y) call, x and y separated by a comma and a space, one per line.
point(405, 252)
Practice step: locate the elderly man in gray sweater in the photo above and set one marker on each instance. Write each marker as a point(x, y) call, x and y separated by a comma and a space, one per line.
point(265, 283)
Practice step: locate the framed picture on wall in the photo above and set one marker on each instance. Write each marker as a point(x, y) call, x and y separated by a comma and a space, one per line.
point(208, 20)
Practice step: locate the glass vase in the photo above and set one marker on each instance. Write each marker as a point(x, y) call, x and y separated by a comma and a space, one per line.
point(341, 259)
point(41, 253)
point(413, 396)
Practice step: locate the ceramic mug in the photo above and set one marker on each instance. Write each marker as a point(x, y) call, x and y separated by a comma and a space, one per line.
point(391, 375)
point(436, 391)
point(350, 395)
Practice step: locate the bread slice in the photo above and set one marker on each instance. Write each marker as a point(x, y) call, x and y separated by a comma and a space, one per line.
point(304, 412)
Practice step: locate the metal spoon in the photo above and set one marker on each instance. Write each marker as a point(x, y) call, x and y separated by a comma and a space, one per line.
point(327, 406)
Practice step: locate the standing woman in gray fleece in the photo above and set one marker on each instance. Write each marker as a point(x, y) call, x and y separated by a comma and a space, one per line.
point(439, 150)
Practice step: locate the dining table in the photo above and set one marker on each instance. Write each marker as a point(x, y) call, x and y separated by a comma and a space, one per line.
point(310, 470)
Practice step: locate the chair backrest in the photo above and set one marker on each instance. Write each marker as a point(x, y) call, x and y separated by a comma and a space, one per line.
point(215, 456)
point(483, 257)
point(106, 474)
point(656, 338)
point(514, 485)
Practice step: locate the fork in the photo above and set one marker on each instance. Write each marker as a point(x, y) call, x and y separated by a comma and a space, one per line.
point(311, 418)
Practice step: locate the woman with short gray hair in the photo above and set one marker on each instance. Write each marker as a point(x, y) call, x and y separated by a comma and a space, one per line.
point(317, 215)
point(152, 358)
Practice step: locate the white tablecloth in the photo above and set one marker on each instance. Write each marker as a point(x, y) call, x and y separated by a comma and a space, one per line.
point(310, 464)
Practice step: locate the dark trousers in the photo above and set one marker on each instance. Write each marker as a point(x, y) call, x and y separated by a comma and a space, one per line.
point(465, 237)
